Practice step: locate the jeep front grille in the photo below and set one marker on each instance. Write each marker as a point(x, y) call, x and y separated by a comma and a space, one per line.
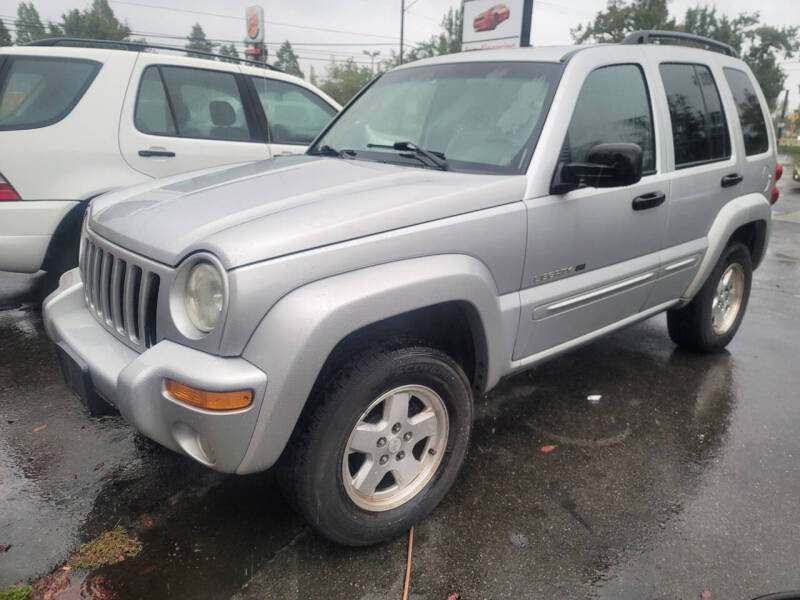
point(122, 294)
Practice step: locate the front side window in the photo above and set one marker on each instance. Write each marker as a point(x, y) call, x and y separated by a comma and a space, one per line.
point(613, 106)
point(38, 91)
point(481, 117)
point(192, 103)
point(751, 117)
point(699, 129)
point(295, 115)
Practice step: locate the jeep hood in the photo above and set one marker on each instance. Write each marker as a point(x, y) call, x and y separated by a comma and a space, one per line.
point(255, 211)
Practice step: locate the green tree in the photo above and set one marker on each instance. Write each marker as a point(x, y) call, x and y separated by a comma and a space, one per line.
point(286, 59)
point(29, 25)
point(344, 80)
point(621, 17)
point(5, 36)
point(198, 41)
point(758, 45)
point(95, 23)
point(447, 41)
point(228, 50)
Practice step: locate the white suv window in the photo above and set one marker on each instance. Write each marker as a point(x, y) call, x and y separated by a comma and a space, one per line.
point(613, 106)
point(38, 91)
point(295, 115)
point(192, 103)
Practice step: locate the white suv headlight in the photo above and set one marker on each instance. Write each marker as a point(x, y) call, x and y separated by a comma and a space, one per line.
point(204, 296)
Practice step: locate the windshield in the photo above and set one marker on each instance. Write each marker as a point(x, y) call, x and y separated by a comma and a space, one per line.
point(480, 117)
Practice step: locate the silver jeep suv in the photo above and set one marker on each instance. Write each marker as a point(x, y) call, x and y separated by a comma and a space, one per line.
point(464, 218)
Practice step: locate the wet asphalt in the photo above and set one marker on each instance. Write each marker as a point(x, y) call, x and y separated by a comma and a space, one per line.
point(682, 480)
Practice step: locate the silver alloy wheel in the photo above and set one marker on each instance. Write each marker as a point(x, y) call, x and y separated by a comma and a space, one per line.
point(727, 301)
point(395, 447)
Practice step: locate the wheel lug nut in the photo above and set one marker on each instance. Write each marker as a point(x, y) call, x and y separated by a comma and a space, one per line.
point(407, 436)
point(431, 451)
point(401, 455)
point(395, 427)
point(381, 442)
point(384, 459)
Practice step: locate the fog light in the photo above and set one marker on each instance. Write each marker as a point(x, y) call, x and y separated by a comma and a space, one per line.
point(207, 399)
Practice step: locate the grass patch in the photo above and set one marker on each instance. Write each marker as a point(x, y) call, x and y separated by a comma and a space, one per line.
point(109, 548)
point(19, 591)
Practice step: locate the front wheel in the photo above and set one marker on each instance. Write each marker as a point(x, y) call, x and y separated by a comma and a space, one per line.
point(385, 442)
point(709, 322)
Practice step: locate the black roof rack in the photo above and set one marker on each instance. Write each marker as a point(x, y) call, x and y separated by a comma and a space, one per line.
point(140, 46)
point(644, 37)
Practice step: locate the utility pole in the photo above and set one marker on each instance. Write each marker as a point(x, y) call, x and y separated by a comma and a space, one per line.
point(402, 22)
point(372, 56)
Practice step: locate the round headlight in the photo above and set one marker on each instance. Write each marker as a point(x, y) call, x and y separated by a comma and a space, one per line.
point(203, 296)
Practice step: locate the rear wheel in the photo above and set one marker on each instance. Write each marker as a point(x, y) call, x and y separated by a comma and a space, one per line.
point(709, 322)
point(385, 442)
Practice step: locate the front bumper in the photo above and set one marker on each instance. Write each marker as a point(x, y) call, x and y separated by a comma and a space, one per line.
point(134, 383)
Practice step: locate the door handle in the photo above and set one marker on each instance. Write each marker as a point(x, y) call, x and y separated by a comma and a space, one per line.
point(149, 153)
point(730, 180)
point(650, 200)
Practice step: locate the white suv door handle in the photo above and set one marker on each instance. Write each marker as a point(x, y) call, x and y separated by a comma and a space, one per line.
point(163, 153)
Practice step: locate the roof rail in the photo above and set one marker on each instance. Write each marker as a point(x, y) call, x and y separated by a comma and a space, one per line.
point(141, 46)
point(645, 37)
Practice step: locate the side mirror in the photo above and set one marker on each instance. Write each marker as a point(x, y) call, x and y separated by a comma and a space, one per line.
point(606, 165)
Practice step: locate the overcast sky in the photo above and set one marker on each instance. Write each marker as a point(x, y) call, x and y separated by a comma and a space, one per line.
point(319, 29)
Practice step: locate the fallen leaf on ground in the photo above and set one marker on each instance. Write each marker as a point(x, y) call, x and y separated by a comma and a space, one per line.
point(38, 428)
point(147, 520)
point(147, 569)
point(455, 596)
point(70, 477)
point(99, 466)
point(705, 594)
point(49, 587)
point(548, 448)
point(66, 568)
point(5, 548)
point(97, 587)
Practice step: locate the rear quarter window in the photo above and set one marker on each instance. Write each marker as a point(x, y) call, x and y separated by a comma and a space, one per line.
point(751, 117)
point(39, 91)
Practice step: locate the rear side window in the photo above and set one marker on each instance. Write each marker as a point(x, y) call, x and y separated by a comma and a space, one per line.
point(613, 106)
point(37, 91)
point(192, 103)
point(751, 117)
point(153, 114)
point(295, 115)
point(699, 130)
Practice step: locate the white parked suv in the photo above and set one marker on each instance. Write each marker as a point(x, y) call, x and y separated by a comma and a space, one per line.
point(76, 122)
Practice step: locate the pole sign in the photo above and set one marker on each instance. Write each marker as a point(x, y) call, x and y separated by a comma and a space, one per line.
point(492, 24)
point(254, 16)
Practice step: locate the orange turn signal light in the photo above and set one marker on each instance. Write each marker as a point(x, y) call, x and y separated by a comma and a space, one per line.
point(207, 399)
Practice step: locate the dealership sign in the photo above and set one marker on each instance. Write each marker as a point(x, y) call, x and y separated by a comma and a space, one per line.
point(254, 17)
point(493, 24)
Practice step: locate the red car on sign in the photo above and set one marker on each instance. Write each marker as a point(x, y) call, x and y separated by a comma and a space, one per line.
point(489, 19)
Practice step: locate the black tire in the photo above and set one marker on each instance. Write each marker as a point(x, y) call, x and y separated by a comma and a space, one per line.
point(691, 327)
point(310, 472)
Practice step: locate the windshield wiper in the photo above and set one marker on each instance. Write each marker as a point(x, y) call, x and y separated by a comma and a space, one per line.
point(431, 157)
point(326, 150)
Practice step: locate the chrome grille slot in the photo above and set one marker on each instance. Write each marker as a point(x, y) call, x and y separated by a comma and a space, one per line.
point(122, 295)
